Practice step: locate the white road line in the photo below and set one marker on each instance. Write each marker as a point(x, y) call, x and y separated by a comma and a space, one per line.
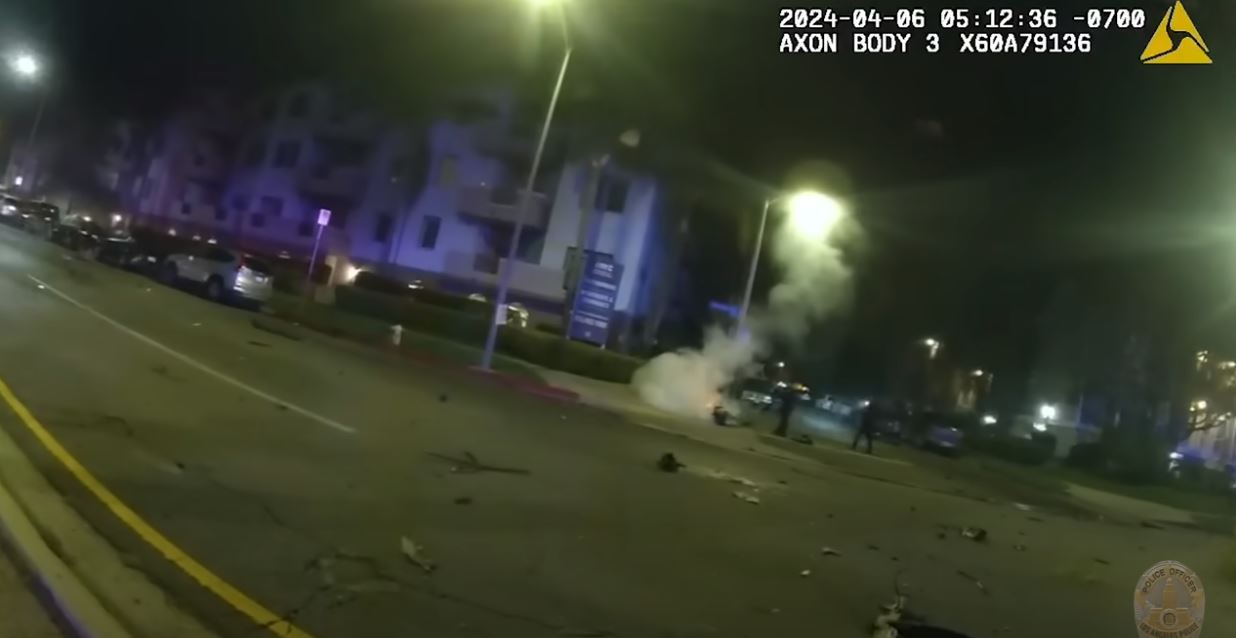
point(187, 360)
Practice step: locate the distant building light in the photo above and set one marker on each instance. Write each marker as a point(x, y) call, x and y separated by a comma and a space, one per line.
point(350, 273)
point(87, 218)
point(17, 181)
point(989, 419)
point(1040, 426)
point(1047, 412)
point(978, 372)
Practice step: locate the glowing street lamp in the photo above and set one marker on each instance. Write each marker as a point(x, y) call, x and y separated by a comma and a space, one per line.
point(812, 215)
point(507, 267)
point(1047, 412)
point(933, 346)
point(26, 66)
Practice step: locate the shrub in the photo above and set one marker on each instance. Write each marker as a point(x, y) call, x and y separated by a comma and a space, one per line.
point(1087, 456)
point(366, 280)
point(540, 348)
point(1016, 449)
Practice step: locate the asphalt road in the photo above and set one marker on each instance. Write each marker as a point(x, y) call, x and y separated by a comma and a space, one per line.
point(293, 469)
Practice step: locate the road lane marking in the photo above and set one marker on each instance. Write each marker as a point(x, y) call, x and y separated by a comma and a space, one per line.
point(254, 610)
point(190, 361)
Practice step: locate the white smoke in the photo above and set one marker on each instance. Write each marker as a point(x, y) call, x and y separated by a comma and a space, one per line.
point(815, 282)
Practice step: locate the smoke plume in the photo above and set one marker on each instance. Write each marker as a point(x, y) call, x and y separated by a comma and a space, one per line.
point(815, 282)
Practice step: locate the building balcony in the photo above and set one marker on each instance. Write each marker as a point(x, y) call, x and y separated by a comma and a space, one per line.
point(502, 205)
point(530, 279)
point(346, 182)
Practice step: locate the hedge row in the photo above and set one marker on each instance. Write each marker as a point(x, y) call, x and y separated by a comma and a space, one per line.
point(536, 347)
point(374, 282)
point(1033, 451)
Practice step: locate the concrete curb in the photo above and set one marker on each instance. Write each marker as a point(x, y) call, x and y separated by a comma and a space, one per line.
point(100, 595)
point(76, 604)
point(297, 332)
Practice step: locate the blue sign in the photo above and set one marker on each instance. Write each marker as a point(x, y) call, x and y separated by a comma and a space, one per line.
point(594, 303)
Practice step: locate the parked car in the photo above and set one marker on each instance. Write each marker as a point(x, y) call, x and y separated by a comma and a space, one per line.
point(82, 233)
point(223, 274)
point(936, 431)
point(38, 217)
point(9, 213)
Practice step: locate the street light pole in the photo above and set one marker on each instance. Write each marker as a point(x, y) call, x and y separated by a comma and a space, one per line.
point(504, 277)
point(755, 264)
point(34, 134)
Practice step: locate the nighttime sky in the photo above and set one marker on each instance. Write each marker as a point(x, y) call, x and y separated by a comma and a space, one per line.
point(990, 165)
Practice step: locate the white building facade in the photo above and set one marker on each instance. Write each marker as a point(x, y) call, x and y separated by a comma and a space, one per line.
point(436, 203)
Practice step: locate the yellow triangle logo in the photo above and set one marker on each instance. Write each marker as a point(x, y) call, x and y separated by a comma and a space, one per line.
point(1176, 41)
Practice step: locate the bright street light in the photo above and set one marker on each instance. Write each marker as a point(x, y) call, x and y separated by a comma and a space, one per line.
point(25, 65)
point(933, 346)
point(1047, 412)
point(507, 267)
point(978, 373)
point(812, 215)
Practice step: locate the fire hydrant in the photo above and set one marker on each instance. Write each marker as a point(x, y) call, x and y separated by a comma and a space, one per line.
point(396, 335)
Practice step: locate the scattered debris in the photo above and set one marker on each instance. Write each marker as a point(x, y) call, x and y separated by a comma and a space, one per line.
point(1023, 507)
point(976, 534)
point(463, 500)
point(805, 573)
point(977, 583)
point(282, 408)
point(1151, 525)
point(782, 482)
point(804, 439)
point(442, 398)
point(1102, 561)
point(197, 324)
point(913, 509)
point(1034, 518)
point(1019, 547)
point(828, 551)
point(941, 535)
point(416, 554)
point(469, 464)
point(874, 548)
point(259, 344)
point(748, 497)
point(669, 463)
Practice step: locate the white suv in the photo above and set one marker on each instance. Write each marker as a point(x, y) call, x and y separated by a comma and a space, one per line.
point(224, 274)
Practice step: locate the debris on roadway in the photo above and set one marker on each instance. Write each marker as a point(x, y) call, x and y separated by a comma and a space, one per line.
point(416, 554)
point(828, 551)
point(469, 464)
point(748, 497)
point(974, 579)
point(976, 534)
point(669, 463)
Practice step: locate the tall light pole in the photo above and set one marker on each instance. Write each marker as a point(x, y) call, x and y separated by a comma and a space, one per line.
point(508, 266)
point(812, 214)
point(27, 67)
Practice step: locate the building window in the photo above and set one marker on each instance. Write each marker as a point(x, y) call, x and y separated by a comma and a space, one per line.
point(255, 153)
point(429, 232)
point(240, 202)
point(220, 213)
point(287, 154)
point(299, 105)
point(382, 231)
point(257, 220)
point(186, 208)
point(448, 172)
point(612, 194)
point(272, 206)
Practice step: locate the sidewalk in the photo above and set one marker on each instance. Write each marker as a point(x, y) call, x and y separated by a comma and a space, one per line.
point(21, 615)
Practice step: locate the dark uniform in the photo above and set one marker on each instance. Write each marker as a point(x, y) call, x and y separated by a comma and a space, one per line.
point(866, 427)
point(788, 400)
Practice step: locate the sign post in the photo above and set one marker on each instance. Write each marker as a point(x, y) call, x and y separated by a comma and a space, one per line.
point(323, 220)
point(594, 302)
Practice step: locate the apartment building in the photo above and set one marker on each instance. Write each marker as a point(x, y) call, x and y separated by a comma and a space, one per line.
point(437, 202)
